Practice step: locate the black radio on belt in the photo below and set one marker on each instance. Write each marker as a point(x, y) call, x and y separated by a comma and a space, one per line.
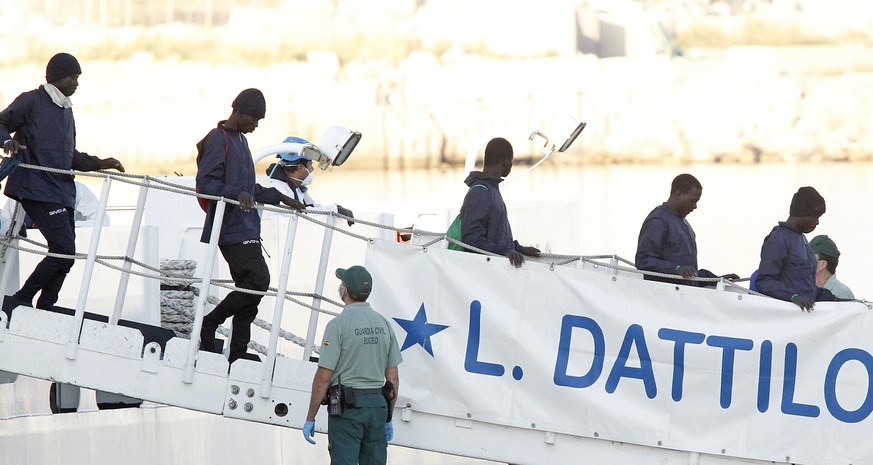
point(335, 400)
point(338, 398)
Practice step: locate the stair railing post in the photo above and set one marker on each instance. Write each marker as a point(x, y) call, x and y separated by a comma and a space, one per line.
point(200, 301)
point(131, 249)
point(319, 287)
point(9, 260)
point(76, 329)
point(281, 288)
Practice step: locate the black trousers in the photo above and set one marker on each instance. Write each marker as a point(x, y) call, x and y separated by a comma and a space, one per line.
point(248, 269)
point(57, 224)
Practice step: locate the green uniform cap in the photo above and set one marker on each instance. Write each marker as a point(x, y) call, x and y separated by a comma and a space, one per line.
point(357, 281)
point(824, 245)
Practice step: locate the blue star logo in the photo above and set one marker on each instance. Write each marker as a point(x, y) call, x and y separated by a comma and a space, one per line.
point(419, 331)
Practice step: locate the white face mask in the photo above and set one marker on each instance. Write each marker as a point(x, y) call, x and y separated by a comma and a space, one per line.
point(308, 179)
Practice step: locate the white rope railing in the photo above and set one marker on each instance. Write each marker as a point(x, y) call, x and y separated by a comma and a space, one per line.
point(555, 260)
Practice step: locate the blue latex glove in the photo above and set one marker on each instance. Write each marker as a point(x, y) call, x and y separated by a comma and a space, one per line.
point(389, 431)
point(309, 431)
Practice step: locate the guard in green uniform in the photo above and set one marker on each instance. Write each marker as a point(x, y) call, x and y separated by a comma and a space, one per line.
point(358, 355)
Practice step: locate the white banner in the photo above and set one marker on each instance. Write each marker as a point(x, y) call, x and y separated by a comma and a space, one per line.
point(584, 352)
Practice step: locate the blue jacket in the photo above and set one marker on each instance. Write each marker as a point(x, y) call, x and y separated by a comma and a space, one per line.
point(225, 168)
point(666, 241)
point(787, 264)
point(484, 223)
point(49, 132)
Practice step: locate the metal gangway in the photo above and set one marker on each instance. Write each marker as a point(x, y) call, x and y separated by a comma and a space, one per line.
point(153, 364)
point(150, 363)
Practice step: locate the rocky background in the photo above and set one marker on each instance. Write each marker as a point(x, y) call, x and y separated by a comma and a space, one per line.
point(428, 82)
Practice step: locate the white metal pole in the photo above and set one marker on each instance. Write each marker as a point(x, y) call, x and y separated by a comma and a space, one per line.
point(131, 249)
point(76, 329)
point(319, 287)
point(151, 287)
point(200, 302)
point(9, 262)
point(281, 288)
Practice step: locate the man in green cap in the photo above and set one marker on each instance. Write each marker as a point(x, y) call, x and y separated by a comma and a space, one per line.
point(828, 256)
point(358, 355)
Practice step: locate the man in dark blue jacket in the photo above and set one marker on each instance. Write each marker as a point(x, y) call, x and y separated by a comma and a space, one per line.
point(45, 135)
point(225, 168)
point(787, 268)
point(485, 224)
point(667, 244)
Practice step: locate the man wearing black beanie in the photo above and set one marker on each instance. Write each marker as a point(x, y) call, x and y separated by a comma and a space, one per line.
point(787, 268)
point(225, 168)
point(45, 135)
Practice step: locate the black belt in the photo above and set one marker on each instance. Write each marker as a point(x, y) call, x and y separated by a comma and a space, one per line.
point(365, 392)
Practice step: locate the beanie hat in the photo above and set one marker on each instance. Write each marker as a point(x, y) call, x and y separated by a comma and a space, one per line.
point(60, 66)
point(251, 102)
point(824, 245)
point(807, 202)
point(357, 281)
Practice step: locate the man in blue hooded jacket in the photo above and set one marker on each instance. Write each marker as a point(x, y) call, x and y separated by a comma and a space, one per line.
point(225, 168)
point(485, 224)
point(45, 135)
point(787, 268)
point(666, 243)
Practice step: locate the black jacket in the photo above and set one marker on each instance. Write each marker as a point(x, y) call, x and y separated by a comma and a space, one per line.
point(484, 222)
point(225, 168)
point(49, 132)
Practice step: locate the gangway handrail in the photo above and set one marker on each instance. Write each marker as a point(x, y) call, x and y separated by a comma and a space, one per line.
point(439, 236)
point(281, 287)
point(9, 237)
point(76, 329)
point(200, 303)
point(319, 286)
point(131, 249)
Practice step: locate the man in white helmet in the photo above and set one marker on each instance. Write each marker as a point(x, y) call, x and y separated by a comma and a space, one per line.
point(293, 173)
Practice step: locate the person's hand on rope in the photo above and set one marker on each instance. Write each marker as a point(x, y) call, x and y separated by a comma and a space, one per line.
point(293, 203)
point(805, 304)
point(529, 251)
point(12, 146)
point(686, 271)
point(111, 164)
point(246, 201)
point(515, 258)
point(346, 212)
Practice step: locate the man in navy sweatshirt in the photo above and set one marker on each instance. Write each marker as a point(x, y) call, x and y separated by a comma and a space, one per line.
point(225, 168)
point(666, 243)
point(485, 224)
point(45, 135)
point(787, 268)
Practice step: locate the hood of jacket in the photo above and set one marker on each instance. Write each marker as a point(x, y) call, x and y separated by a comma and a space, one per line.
point(480, 177)
point(274, 171)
